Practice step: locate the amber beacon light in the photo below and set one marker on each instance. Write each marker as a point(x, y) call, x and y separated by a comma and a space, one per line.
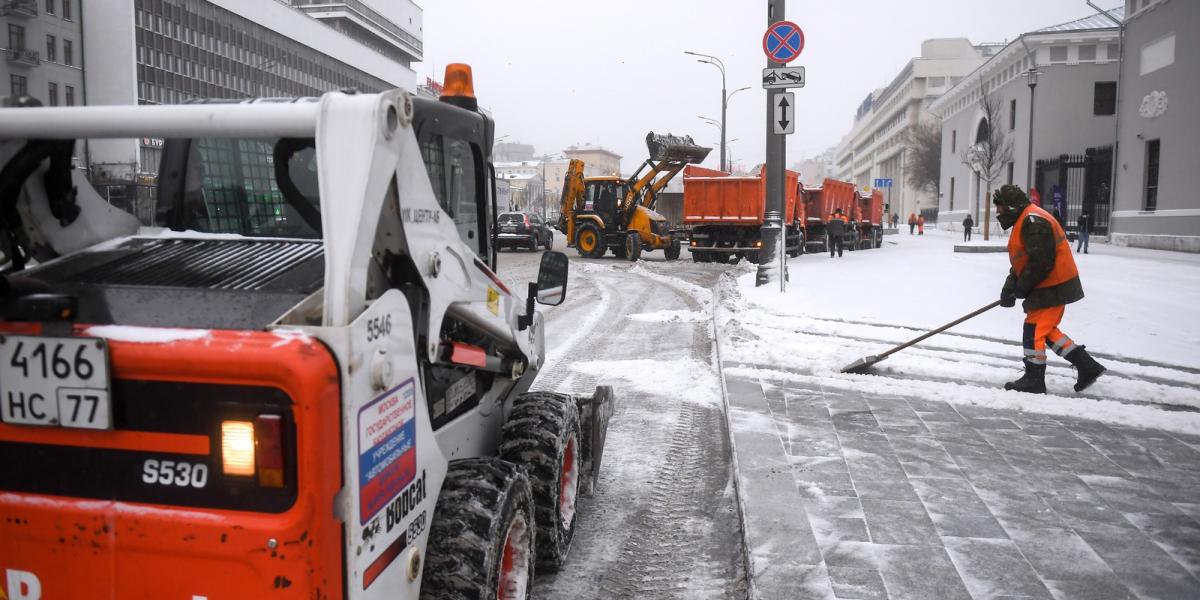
point(458, 88)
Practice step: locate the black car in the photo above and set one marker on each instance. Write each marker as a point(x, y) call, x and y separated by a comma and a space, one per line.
point(523, 230)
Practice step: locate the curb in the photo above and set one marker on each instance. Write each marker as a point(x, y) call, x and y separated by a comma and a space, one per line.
point(747, 566)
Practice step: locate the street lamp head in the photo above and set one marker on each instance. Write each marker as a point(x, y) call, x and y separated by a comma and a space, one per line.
point(1032, 76)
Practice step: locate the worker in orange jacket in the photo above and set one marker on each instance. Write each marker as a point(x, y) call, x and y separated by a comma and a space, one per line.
point(1044, 274)
point(912, 222)
point(836, 228)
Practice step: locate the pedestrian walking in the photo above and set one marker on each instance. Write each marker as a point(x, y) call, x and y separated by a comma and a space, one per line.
point(1085, 231)
point(895, 220)
point(921, 225)
point(835, 228)
point(912, 222)
point(968, 223)
point(1044, 274)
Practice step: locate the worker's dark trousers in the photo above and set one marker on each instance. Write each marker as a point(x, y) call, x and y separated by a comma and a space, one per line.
point(967, 234)
point(835, 245)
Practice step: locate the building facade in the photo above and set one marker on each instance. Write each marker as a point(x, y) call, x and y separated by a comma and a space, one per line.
point(1074, 124)
point(42, 51)
point(874, 148)
point(172, 51)
point(1158, 151)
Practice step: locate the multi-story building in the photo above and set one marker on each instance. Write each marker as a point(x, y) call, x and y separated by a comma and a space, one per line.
point(1158, 132)
point(1073, 108)
point(171, 51)
point(42, 55)
point(875, 148)
point(525, 185)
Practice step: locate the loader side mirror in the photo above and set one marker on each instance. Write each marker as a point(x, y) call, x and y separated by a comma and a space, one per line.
point(552, 279)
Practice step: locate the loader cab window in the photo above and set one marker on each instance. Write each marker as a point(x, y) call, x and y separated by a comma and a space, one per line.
point(455, 171)
point(230, 185)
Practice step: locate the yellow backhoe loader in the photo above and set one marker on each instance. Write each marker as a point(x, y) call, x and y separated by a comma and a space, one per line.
point(599, 213)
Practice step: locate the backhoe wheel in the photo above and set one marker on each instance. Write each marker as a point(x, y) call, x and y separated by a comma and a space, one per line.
point(542, 435)
point(481, 540)
point(589, 241)
point(633, 246)
point(672, 250)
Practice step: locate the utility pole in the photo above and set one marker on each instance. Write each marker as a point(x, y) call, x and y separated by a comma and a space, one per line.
point(770, 263)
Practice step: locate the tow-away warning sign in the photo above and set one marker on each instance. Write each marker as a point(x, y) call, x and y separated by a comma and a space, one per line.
point(387, 441)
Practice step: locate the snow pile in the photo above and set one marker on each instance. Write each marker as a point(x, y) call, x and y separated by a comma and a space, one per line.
point(1139, 317)
point(690, 380)
point(670, 316)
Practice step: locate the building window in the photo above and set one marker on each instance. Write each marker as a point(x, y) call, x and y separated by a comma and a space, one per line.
point(1010, 173)
point(1114, 52)
point(1012, 116)
point(52, 92)
point(19, 85)
point(1104, 100)
point(51, 49)
point(953, 141)
point(1087, 52)
point(70, 95)
point(951, 193)
point(49, 7)
point(16, 37)
point(68, 53)
point(1058, 54)
point(1151, 199)
point(67, 9)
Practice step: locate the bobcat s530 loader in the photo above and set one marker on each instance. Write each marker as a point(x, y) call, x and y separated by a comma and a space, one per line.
point(306, 381)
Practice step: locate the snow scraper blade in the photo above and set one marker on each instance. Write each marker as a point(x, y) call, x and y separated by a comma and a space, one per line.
point(675, 148)
point(863, 365)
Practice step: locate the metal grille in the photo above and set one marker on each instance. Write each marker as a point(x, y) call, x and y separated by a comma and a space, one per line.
point(210, 264)
point(1084, 181)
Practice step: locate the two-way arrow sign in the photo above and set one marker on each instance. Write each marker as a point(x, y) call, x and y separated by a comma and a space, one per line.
point(784, 120)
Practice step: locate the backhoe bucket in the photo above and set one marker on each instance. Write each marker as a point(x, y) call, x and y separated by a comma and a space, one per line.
point(672, 148)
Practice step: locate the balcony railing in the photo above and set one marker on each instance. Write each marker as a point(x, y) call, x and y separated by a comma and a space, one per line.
point(365, 12)
point(18, 8)
point(23, 56)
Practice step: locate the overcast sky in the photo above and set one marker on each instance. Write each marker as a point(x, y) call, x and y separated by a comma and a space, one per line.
point(560, 72)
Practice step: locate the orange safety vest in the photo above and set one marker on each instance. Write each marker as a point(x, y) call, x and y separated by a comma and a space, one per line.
point(1064, 264)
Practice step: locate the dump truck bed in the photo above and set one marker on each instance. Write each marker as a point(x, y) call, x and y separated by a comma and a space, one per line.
point(733, 200)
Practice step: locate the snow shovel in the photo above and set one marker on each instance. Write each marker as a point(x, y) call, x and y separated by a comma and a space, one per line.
point(864, 365)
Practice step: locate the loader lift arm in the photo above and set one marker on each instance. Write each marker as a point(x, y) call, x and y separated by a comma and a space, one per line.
point(668, 156)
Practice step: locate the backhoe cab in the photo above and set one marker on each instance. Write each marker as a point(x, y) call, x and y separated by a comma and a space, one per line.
point(609, 212)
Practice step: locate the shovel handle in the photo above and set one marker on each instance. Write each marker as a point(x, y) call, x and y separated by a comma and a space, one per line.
point(940, 329)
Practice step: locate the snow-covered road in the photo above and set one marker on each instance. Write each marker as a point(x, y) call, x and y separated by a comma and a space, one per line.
point(664, 522)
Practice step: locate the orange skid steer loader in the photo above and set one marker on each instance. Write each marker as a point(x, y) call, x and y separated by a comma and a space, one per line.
point(303, 380)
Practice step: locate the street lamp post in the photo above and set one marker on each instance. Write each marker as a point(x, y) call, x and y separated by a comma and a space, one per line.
point(1032, 76)
point(716, 62)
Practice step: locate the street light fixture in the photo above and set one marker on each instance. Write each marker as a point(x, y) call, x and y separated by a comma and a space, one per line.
point(716, 62)
point(1031, 77)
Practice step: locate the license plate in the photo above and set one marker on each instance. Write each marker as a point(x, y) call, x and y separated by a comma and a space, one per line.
point(508, 228)
point(54, 381)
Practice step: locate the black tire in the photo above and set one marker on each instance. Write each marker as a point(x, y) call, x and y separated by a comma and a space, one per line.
point(550, 242)
point(878, 238)
point(484, 503)
point(597, 248)
point(672, 250)
point(533, 244)
point(543, 435)
point(633, 246)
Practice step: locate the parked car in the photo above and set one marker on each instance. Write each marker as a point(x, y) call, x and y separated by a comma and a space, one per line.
point(524, 230)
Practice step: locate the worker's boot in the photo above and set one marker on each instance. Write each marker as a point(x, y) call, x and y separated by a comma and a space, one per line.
point(1033, 381)
point(1086, 367)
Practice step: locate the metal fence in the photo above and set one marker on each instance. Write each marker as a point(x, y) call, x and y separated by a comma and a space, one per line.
point(1085, 183)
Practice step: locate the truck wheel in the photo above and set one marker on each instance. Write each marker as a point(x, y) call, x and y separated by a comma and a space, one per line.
point(633, 246)
point(542, 435)
point(878, 238)
point(589, 241)
point(481, 540)
point(672, 251)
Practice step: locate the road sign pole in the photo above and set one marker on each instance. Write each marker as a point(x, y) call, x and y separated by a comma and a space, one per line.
point(770, 264)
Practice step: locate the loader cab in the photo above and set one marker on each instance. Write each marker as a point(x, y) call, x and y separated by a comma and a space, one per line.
point(603, 195)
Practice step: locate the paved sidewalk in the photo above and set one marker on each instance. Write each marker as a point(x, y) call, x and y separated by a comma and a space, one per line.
point(850, 496)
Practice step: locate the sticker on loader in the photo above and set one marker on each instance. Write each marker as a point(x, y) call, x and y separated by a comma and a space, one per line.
point(387, 434)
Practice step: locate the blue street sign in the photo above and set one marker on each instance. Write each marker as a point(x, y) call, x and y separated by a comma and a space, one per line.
point(883, 183)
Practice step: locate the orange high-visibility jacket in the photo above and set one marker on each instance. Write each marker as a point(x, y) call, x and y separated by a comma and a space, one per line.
point(1064, 264)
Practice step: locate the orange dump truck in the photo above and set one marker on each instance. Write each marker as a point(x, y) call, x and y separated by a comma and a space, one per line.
point(818, 206)
point(868, 219)
point(725, 214)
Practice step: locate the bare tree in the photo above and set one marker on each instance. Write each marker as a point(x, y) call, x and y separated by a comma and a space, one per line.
point(991, 151)
point(923, 143)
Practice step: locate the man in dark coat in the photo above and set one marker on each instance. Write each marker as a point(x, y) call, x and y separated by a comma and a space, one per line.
point(836, 230)
point(1044, 274)
point(968, 223)
point(1085, 231)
